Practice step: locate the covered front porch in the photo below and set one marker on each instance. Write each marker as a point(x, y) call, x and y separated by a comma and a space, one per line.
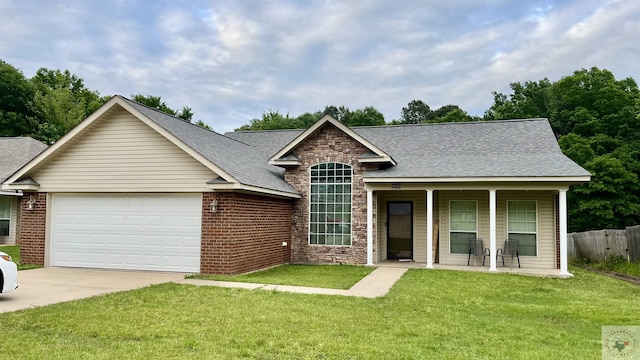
point(427, 225)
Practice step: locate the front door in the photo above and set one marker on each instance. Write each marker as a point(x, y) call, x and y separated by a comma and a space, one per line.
point(400, 230)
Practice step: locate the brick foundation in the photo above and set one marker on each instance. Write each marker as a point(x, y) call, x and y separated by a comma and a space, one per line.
point(245, 233)
point(329, 144)
point(32, 225)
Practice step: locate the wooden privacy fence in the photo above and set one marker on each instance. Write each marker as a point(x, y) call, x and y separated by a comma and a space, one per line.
point(601, 244)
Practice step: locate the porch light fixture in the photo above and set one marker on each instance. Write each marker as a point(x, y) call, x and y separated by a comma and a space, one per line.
point(31, 202)
point(214, 206)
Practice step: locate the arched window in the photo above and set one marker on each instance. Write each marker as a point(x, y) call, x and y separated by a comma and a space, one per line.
point(330, 205)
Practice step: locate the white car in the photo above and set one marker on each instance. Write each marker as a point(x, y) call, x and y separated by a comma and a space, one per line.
point(8, 273)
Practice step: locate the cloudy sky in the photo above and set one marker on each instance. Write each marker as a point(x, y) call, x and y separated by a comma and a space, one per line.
point(230, 60)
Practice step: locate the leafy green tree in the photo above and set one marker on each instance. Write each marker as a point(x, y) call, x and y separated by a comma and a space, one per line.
point(609, 201)
point(454, 115)
point(416, 112)
point(593, 102)
point(156, 102)
point(340, 113)
point(307, 120)
point(528, 100)
point(369, 116)
point(202, 124)
point(272, 120)
point(598, 120)
point(60, 102)
point(577, 148)
point(16, 95)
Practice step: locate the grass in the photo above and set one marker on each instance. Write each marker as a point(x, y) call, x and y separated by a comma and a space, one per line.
point(14, 252)
point(429, 314)
point(616, 264)
point(332, 277)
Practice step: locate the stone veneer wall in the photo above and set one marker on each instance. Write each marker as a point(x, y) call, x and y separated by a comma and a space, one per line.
point(32, 225)
point(245, 233)
point(329, 144)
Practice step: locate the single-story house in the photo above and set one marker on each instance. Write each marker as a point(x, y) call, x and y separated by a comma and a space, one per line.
point(14, 153)
point(134, 188)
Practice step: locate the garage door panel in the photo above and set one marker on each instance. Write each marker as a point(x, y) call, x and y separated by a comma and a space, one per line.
point(126, 231)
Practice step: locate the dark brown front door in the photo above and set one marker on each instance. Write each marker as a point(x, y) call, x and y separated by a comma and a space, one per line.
point(400, 230)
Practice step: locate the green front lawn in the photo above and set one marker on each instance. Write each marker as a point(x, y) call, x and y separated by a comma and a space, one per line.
point(14, 252)
point(429, 314)
point(332, 277)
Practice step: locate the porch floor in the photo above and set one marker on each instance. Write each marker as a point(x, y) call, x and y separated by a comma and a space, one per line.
point(479, 268)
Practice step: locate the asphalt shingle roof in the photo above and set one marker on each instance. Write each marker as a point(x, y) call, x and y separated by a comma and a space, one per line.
point(15, 152)
point(243, 162)
point(506, 148)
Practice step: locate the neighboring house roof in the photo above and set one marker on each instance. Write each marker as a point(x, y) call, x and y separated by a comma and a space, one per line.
point(15, 152)
point(487, 149)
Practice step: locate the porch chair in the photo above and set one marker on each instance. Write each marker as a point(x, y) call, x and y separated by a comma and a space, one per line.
point(510, 249)
point(476, 249)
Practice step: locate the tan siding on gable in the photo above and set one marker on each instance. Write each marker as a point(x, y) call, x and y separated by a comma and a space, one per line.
point(123, 154)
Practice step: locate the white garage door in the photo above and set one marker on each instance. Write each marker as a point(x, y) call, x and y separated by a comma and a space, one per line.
point(126, 231)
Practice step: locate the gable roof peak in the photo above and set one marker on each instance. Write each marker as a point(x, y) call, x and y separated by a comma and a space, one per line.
point(280, 158)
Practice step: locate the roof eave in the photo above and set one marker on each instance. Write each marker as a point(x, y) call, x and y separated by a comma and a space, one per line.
point(5, 192)
point(377, 160)
point(23, 187)
point(285, 163)
point(563, 179)
point(219, 187)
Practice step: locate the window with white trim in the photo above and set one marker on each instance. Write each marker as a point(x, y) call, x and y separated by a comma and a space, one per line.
point(522, 225)
point(5, 215)
point(330, 205)
point(463, 225)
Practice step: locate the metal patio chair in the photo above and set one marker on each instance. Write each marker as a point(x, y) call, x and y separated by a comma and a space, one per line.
point(477, 249)
point(510, 250)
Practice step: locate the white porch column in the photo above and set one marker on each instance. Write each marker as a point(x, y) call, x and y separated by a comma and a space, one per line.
point(369, 228)
point(492, 230)
point(430, 229)
point(563, 231)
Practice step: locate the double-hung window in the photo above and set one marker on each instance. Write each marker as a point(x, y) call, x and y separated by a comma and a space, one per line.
point(330, 205)
point(5, 215)
point(522, 225)
point(463, 224)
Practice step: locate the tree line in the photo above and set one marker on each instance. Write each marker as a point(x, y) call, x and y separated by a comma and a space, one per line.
point(595, 116)
point(49, 104)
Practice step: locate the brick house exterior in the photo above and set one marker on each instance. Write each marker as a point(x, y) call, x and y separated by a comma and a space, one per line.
point(32, 229)
point(245, 234)
point(157, 193)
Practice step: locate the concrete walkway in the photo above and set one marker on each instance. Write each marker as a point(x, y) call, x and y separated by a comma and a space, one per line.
point(376, 284)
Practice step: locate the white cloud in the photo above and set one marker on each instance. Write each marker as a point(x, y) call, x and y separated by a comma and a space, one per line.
point(232, 60)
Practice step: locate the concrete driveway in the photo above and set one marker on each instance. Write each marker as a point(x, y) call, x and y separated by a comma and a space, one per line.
point(45, 286)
